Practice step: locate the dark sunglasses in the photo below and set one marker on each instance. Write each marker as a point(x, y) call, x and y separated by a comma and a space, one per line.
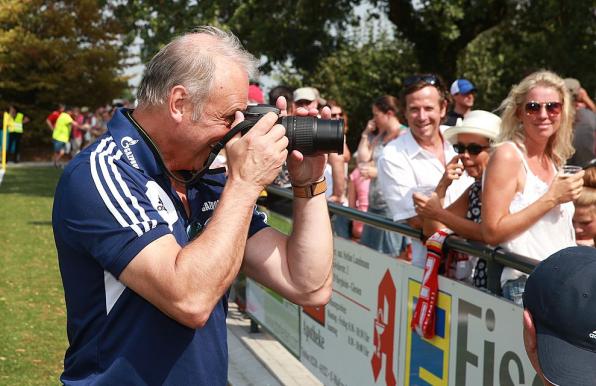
point(552, 108)
point(413, 79)
point(472, 149)
point(337, 115)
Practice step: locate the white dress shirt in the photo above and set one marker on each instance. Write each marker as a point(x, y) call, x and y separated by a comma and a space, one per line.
point(402, 168)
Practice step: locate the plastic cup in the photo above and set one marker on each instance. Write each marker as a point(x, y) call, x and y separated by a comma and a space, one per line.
point(425, 190)
point(569, 170)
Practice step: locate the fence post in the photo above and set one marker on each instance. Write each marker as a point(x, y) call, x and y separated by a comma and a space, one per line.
point(493, 273)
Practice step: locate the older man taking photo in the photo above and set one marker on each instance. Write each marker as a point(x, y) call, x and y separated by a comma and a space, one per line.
point(148, 250)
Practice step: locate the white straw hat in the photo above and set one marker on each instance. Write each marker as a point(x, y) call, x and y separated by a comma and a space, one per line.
point(476, 122)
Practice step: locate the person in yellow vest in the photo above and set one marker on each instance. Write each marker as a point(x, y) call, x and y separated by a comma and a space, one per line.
point(15, 133)
point(61, 135)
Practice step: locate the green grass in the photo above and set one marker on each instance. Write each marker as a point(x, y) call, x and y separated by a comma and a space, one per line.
point(32, 312)
point(279, 222)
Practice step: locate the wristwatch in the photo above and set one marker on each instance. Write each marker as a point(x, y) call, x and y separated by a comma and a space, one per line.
point(311, 190)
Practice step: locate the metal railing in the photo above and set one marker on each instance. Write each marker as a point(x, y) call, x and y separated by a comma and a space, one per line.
point(496, 257)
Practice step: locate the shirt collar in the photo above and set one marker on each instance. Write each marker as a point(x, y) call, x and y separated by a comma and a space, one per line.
point(413, 148)
point(134, 149)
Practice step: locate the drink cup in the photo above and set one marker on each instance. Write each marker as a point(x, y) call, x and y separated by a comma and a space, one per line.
point(425, 190)
point(569, 170)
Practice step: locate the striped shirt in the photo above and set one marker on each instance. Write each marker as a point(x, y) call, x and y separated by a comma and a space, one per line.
point(113, 200)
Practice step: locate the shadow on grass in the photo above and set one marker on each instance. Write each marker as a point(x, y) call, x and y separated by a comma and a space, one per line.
point(33, 181)
point(49, 223)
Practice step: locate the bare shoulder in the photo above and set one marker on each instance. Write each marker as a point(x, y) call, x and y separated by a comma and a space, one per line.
point(505, 159)
point(506, 152)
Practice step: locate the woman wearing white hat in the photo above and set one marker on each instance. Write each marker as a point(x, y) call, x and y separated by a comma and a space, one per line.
point(471, 139)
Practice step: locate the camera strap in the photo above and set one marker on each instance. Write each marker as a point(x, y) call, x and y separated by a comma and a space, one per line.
point(197, 176)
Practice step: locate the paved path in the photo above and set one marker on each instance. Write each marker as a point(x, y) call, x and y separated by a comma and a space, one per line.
point(259, 359)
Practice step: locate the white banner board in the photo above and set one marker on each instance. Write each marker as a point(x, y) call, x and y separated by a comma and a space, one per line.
point(353, 340)
point(279, 316)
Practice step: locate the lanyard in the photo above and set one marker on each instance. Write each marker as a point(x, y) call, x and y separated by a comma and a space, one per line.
point(194, 177)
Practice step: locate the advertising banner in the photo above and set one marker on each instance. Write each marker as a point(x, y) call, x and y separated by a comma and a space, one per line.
point(353, 340)
point(279, 316)
point(478, 339)
point(363, 335)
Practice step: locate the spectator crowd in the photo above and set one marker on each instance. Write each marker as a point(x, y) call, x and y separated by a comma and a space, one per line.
point(427, 158)
point(74, 128)
point(521, 177)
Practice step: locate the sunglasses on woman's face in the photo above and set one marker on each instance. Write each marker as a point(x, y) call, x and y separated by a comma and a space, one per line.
point(472, 148)
point(552, 108)
point(337, 115)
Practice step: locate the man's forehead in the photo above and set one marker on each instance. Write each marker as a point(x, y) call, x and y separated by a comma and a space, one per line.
point(428, 94)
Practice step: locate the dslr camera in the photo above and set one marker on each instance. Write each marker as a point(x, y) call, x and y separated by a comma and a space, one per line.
point(309, 135)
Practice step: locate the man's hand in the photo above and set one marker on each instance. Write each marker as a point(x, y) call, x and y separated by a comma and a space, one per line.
point(304, 170)
point(256, 158)
point(427, 207)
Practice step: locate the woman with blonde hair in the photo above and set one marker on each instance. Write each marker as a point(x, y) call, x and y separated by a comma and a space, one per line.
point(527, 199)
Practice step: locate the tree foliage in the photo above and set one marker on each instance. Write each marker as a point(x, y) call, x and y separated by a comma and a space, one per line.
point(441, 29)
point(549, 34)
point(302, 32)
point(58, 51)
point(356, 74)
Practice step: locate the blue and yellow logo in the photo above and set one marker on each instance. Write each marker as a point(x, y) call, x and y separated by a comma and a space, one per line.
point(427, 361)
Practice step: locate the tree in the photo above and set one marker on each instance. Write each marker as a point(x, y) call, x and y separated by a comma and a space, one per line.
point(61, 51)
point(358, 73)
point(302, 32)
point(441, 29)
point(559, 36)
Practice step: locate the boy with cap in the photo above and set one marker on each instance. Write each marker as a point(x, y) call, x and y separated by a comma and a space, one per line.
point(560, 317)
point(463, 92)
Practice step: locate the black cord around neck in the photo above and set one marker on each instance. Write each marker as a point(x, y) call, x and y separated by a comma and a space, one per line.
point(196, 177)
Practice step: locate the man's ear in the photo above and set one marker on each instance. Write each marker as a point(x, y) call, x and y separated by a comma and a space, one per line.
point(177, 103)
point(529, 328)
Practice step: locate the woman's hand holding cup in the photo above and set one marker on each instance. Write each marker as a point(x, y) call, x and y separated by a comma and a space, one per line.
point(567, 184)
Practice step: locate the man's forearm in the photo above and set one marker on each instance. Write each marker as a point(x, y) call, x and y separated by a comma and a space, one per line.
point(310, 245)
point(210, 263)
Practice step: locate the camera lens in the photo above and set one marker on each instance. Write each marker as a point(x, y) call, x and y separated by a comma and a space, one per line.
point(310, 135)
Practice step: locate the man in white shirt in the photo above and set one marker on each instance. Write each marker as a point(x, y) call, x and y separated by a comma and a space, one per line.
point(417, 160)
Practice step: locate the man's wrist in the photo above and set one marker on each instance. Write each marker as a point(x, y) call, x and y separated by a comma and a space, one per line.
point(310, 190)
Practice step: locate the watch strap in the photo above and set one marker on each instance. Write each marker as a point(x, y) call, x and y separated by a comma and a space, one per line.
point(311, 190)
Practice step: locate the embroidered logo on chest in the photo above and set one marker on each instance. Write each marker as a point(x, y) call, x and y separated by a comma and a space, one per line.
point(162, 203)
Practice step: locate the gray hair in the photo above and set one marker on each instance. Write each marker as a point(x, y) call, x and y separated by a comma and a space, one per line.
point(188, 63)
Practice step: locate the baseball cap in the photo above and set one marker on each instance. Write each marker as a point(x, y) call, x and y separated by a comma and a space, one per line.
point(572, 85)
point(462, 86)
point(305, 94)
point(308, 94)
point(561, 296)
point(475, 122)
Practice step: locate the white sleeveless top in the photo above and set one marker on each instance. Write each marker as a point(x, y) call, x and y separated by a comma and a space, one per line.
point(551, 233)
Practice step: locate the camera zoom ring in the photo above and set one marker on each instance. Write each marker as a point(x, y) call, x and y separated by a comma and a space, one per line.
point(303, 135)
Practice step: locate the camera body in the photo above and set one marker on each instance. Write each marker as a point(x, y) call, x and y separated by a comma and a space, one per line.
point(309, 135)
